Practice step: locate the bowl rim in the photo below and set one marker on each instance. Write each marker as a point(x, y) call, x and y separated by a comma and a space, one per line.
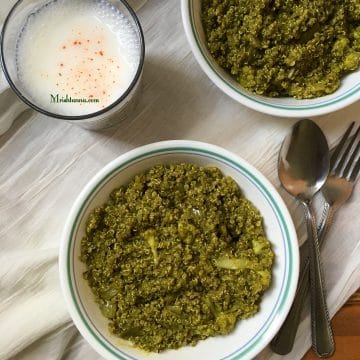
point(286, 295)
point(244, 97)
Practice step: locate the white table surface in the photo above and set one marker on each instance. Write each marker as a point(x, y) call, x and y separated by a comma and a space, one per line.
point(44, 164)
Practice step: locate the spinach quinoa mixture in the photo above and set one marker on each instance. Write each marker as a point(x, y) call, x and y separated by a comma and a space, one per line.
point(176, 256)
point(298, 48)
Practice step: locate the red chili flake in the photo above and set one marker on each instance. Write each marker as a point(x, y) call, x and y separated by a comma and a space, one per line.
point(91, 96)
point(61, 64)
point(75, 42)
point(101, 53)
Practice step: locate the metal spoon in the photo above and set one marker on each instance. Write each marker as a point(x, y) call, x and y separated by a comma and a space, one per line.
point(303, 167)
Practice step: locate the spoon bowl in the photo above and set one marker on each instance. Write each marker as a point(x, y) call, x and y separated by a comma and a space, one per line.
point(304, 160)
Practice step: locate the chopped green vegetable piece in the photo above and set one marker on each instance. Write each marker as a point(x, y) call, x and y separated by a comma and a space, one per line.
point(235, 264)
point(149, 236)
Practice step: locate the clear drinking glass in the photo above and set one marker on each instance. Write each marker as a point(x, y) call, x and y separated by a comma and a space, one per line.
point(104, 118)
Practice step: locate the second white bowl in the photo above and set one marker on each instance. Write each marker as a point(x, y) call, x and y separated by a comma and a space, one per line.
point(348, 93)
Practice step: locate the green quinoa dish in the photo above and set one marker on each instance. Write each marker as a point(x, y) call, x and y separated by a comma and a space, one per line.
point(297, 48)
point(176, 256)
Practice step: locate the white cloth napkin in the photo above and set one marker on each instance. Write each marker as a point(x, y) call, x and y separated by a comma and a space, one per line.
point(45, 163)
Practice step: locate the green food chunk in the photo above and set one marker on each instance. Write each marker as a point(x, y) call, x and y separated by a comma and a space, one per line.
point(235, 264)
point(149, 236)
point(176, 256)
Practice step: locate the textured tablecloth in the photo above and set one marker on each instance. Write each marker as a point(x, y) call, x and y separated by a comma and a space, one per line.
point(45, 163)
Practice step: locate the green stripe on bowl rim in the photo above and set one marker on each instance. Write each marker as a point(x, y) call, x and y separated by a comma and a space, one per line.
point(203, 52)
point(286, 280)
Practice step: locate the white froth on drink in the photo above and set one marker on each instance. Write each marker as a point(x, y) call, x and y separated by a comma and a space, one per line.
point(78, 57)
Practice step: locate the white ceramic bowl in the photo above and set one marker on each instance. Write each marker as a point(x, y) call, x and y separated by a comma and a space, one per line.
point(251, 335)
point(348, 93)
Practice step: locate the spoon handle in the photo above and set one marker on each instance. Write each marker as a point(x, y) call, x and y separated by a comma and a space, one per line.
point(322, 336)
point(284, 340)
